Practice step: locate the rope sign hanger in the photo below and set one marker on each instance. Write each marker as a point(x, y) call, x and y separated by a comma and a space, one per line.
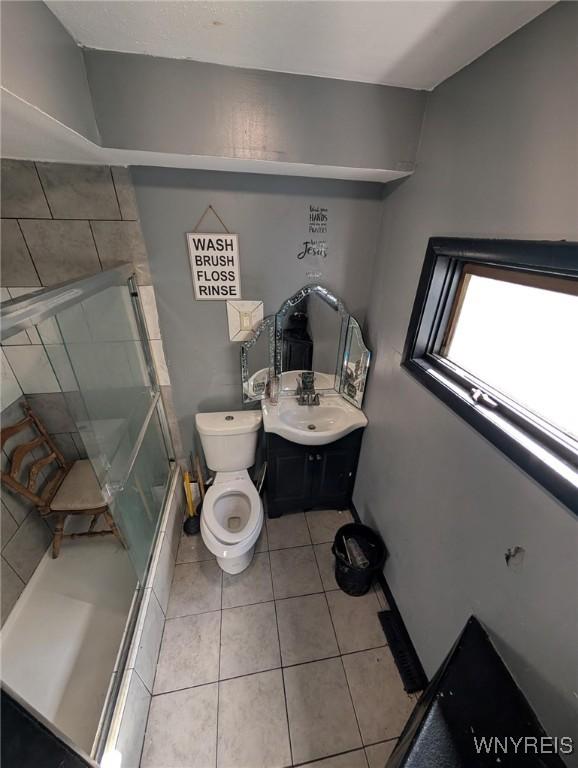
point(207, 209)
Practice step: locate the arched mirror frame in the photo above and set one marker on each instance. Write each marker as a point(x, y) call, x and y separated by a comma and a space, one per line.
point(273, 326)
point(266, 326)
point(331, 300)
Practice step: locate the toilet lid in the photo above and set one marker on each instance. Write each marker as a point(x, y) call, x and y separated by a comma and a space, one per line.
point(231, 510)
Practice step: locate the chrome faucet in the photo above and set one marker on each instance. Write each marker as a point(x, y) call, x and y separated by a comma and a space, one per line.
point(306, 394)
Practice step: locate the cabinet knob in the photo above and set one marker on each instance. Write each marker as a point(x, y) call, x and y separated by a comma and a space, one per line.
point(311, 457)
point(318, 457)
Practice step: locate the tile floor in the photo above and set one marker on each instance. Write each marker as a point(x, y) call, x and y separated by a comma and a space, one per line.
point(276, 666)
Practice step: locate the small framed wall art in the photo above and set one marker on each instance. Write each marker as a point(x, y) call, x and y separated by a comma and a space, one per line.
point(243, 317)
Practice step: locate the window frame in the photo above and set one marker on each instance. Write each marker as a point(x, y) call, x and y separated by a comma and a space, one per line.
point(545, 453)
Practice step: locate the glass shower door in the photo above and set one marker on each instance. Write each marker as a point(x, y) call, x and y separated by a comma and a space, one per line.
point(76, 620)
point(137, 505)
point(99, 357)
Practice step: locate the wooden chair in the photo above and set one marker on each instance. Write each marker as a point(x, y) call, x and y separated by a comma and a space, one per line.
point(72, 488)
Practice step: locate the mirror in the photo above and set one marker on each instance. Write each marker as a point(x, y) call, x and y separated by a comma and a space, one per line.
point(356, 359)
point(257, 357)
point(308, 334)
point(311, 331)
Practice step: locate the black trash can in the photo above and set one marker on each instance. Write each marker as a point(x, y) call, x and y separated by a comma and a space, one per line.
point(353, 577)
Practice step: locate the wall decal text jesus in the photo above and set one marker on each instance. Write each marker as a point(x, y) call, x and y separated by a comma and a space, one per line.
point(215, 266)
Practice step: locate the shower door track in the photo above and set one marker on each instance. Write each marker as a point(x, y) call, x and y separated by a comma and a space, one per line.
point(105, 728)
point(22, 313)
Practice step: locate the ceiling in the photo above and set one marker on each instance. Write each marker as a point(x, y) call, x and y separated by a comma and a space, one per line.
point(393, 42)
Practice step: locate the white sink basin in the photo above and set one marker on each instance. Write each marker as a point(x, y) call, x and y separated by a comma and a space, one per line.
point(319, 424)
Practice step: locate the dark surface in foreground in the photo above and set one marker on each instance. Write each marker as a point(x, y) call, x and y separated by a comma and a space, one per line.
point(474, 695)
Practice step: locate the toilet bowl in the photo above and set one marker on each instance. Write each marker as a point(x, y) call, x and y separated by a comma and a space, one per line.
point(232, 520)
point(232, 515)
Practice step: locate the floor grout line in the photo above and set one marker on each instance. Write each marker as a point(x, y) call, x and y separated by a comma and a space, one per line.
point(382, 741)
point(269, 669)
point(142, 749)
point(332, 623)
point(352, 701)
point(219, 676)
point(344, 671)
point(281, 660)
point(159, 653)
point(330, 756)
point(188, 615)
point(299, 546)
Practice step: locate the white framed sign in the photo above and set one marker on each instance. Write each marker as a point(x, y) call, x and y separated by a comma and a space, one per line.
point(215, 265)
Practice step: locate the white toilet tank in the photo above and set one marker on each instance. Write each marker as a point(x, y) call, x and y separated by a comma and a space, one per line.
point(229, 439)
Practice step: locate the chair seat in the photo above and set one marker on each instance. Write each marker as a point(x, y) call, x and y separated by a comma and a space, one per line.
point(79, 490)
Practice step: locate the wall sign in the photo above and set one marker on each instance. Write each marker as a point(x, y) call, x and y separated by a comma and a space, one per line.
point(318, 216)
point(313, 248)
point(215, 265)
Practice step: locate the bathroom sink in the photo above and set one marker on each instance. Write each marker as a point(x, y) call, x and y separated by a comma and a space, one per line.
point(314, 418)
point(319, 424)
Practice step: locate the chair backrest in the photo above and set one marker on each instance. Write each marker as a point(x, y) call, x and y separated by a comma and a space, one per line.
point(23, 476)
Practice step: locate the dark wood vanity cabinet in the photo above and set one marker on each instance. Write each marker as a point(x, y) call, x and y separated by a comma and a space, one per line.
point(310, 476)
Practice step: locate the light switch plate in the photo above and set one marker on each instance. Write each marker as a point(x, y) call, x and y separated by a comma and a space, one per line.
point(243, 317)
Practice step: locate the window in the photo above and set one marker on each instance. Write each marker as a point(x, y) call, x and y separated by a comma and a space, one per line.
point(494, 333)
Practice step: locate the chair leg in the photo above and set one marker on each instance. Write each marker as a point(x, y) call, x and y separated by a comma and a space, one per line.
point(93, 522)
point(113, 526)
point(58, 534)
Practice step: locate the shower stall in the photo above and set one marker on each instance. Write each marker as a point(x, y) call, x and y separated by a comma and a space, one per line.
point(66, 641)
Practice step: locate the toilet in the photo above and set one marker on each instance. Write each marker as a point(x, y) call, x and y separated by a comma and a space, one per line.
point(232, 515)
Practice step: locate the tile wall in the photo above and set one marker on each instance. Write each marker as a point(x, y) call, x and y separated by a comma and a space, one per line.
point(59, 222)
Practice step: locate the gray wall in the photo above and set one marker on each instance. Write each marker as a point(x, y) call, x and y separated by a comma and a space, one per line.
point(497, 158)
point(188, 107)
point(42, 64)
point(270, 214)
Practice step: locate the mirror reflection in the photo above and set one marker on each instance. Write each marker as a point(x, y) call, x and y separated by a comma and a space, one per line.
point(355, 364)
point(310, 336)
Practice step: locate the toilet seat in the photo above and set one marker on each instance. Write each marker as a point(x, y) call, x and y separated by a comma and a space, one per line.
point(227, 500)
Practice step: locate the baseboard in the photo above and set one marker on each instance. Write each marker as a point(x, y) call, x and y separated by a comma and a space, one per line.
point(403, 636)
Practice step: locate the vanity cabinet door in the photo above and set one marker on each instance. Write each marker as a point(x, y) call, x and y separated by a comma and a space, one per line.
point(335, 469)
point(289, 476)
point(305, 477)
point(334, 474)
